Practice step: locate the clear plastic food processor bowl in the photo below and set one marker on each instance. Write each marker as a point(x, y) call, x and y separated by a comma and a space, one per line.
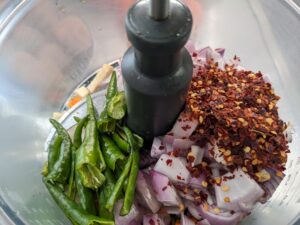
point(48, 47)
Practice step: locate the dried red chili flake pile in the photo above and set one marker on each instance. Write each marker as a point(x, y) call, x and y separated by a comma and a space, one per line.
point(237, 111)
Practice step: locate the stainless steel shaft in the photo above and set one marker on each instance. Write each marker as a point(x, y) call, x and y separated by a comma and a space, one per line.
point(159, 9)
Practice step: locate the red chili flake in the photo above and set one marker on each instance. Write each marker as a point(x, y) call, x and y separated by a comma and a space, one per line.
point(176, 153)
point(161, 147)
point(179, 177)
point(169, 162)
point(171, 134)
point(225, 178)
point(164, 188)
point(151, 222)
point(240, 111)
point(194, 54)
point(192, 138)
point(186, 127)
point(169, 183)
point(190, 158)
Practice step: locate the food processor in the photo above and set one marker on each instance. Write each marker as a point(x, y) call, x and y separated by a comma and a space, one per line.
point(48, 48)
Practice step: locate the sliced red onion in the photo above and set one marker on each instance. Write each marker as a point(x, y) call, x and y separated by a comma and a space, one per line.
point(215, 172)
point(216, 56)
point(145, 159)
point(174, 168)
point(203, 53)
point(182, 144)
point(221, 51)
point(243, 192)
point(211, 199)
point(193, 210)
point(184, 127)
point(196, 182)
point(207, 53)
point(207, 148)
point(135, 222)
point(133, 217)
point(219, 219)
point(235, 62)
point(173, 210)
point(185, 220)
point(146, 192)
point(203, 222)
point(271, 185)
point(288, 133)
point(158, 147)
point(164, 190)
point(168, 141)
point(266, 78)
point(211, 218)
point(186, 195)
point(190, 46)
point(156, 219)
point(197, 153)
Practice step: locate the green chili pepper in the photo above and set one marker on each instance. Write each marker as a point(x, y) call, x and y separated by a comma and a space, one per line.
point(116, 107)
point(89, 158)
point(118, 186)
point(130, 185)
point(123, 145)
point(106, 123)
point(77, 138)
point(112, 88)
point(71, 192)
point(138, 140)
point(118, 171)
point(61, 168)
point(77, 119)
point(77, 215)
point(45, 169)
point(54, 151)
point(129, 194)
point(111, 152)
point(76, 144)
point(86, 196)
point(104, 194)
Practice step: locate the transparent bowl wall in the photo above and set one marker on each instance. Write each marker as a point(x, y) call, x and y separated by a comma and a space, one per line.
point(47, 47)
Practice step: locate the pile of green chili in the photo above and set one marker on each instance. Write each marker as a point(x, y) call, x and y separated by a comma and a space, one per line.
point(88, 173)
